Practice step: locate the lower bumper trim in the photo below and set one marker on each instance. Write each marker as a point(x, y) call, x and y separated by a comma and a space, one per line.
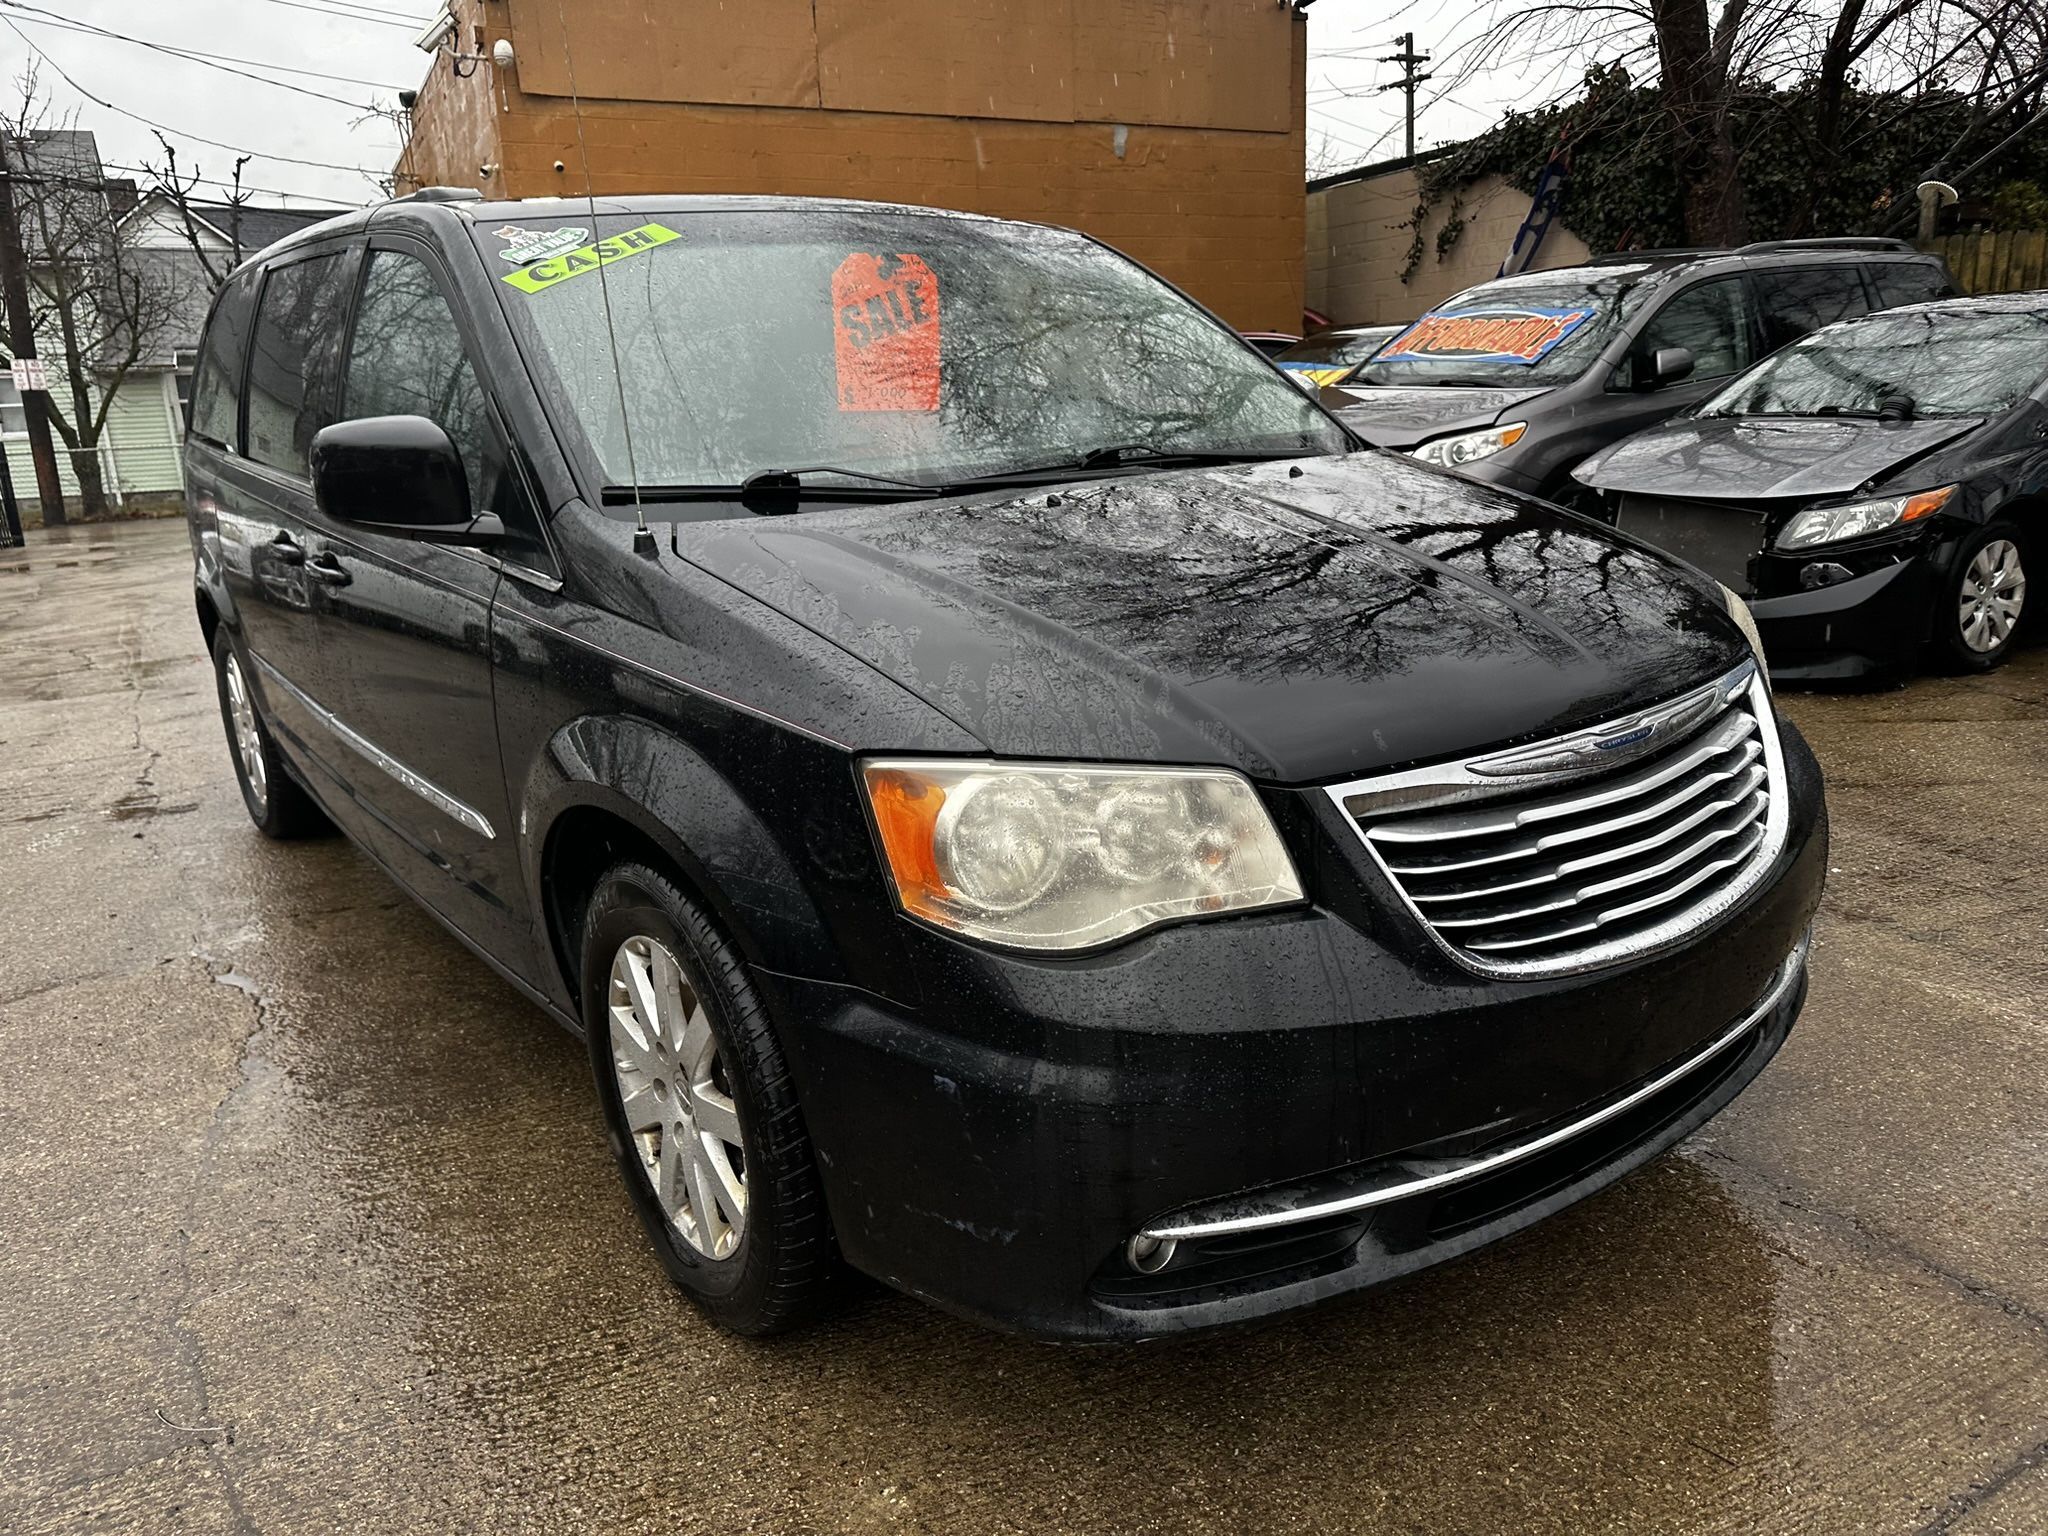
point(1194, 1227)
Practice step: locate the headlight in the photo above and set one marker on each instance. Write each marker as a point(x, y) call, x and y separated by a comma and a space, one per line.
point(1467, 446)
point(1055, 857)
point(1830, 525)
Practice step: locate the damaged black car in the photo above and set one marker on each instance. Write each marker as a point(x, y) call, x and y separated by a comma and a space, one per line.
point(1015, 801)
point(1875, 491)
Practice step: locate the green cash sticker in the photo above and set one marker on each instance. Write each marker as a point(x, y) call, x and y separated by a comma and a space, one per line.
point(588, 258)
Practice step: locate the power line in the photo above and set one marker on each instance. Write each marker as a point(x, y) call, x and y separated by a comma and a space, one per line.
point(65, 24)
point(377, 18)
point(149, 122)
point(53, 19)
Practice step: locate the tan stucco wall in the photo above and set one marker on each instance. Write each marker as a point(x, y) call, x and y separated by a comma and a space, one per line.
point(1171, 129)
point(1357, 244)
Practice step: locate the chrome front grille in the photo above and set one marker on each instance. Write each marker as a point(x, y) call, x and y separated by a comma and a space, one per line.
point(1556, 858)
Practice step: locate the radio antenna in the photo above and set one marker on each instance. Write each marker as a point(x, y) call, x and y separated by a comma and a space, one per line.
point(643, 536)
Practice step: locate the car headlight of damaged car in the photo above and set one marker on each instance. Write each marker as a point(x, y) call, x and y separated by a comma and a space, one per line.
point(1852, 520)
point(1065, 856)
point(1463, 448)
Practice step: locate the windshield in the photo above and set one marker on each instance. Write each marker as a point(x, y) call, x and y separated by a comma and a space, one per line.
point(919, 347)
point(1946, 363)
point(1533, 331)
point(1338, 347)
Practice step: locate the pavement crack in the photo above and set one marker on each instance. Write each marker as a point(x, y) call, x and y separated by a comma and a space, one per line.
point(1960, 1505)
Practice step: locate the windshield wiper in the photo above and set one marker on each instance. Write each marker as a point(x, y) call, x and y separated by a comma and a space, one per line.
point(1131, 455)
point(779, 487)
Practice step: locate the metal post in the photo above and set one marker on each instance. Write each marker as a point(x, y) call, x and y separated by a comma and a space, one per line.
point(1408, 59)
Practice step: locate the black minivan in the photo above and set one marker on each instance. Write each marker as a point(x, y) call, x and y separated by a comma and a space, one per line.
point(1014, 800)
point(1517, 381)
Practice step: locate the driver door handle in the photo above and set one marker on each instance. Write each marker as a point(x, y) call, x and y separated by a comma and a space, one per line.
point(326, 568)
point(286, 550)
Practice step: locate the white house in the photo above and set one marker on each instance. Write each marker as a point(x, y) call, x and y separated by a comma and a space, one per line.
point(140, 450)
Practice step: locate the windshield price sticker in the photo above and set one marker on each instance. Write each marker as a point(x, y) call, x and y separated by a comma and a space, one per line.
point(542, 271)
point(885, 333)
point(1497, 335)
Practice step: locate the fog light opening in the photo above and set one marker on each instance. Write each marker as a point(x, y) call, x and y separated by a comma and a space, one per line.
point(1149, 1255)
point(1823, 573)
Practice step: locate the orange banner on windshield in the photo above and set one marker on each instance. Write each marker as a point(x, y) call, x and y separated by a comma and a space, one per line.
point(886, 333)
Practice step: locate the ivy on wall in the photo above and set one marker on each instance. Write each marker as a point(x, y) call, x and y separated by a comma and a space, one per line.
point(1623, 194)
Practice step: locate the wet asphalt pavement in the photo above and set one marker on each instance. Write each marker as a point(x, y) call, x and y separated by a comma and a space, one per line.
point(309, 1224)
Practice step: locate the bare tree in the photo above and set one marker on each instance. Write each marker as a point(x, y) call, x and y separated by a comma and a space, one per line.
point(108, 307)
point(177, 189)
point(1866, 63)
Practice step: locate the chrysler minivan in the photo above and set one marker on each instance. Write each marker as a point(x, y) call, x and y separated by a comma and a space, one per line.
point(1016, 802)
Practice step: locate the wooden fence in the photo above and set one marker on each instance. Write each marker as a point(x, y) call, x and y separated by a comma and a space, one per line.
point(2009, 261)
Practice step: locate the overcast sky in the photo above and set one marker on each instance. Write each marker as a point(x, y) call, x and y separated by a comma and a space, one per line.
point(368, 43)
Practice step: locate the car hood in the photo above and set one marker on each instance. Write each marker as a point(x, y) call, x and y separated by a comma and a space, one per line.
point(1756, 458)
point(1401, 416)
point(1300, 622)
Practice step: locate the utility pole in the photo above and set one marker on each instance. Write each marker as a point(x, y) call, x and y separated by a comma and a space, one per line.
point(1409, 60)
point(21, 328)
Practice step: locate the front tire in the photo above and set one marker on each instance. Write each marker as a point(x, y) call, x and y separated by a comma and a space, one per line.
point(1981, 611)
point(702, 1114)
point(276, 802)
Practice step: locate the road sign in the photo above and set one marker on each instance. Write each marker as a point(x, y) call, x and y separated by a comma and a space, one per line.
point(31, 373)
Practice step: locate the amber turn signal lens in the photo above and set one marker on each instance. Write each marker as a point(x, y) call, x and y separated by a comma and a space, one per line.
point(907, 809)
point(1926, 504)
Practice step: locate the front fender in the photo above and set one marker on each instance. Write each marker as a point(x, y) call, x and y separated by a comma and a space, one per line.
point(679, 800)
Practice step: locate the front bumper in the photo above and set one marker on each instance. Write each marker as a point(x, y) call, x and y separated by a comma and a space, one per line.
point(1872, 624)
point(995, 1150)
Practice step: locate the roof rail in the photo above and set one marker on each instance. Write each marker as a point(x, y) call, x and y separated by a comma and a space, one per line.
point(442, 195)
point(1830, 243)
point(1662, 253)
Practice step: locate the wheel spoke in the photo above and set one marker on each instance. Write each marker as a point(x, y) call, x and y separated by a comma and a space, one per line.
point(713, 1223)
point(630, 1047)
point(697, 1047)
point(640, 987)
point(716, 1114)
point(731, 1188)
point(669, 1173)
point(639, 1107)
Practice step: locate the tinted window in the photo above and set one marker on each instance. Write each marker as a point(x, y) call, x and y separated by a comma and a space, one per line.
point(1714, 321)
point(291, 368)
point(1800, 300)
point(217, 388)
point(1908, 282)
point(406, 359)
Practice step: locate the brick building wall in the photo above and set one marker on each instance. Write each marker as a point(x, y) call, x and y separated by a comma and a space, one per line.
point(1172, 129)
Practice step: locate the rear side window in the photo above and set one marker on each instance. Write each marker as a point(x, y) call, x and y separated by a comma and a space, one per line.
point(1909, 282)
point(1798, 301)
point(292, 362)
point(1712, 320)
point(217, 384)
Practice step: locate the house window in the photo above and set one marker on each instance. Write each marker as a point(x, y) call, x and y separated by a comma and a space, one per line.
point(13, 420)
point(185, 361)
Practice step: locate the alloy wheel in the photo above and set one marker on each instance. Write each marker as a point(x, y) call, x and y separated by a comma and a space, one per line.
point(1994, 590)
point(248, 740)
point(675, 1097)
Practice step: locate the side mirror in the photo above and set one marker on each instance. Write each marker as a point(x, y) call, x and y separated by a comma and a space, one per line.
point(1666, 365)
point(397, 475)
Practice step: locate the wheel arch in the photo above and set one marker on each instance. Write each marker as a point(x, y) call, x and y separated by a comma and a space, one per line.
point(625, 789)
